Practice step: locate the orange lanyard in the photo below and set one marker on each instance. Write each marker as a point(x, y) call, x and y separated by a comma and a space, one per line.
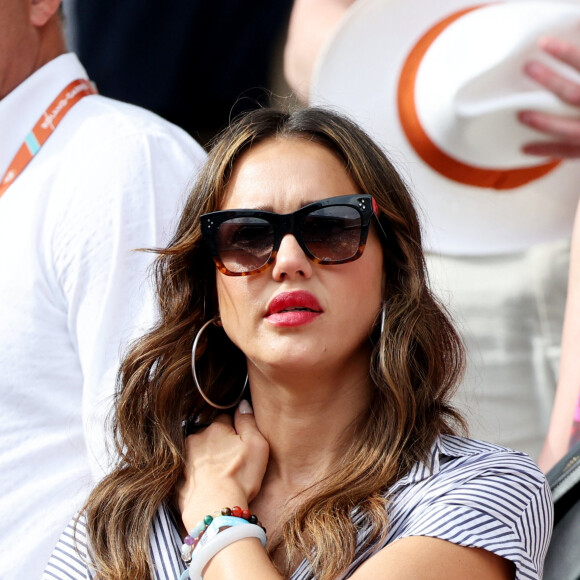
point(44, 128)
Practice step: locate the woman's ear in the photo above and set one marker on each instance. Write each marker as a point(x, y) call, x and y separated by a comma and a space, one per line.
point(41, 11)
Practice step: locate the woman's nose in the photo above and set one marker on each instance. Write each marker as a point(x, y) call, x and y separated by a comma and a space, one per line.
point(291, 261)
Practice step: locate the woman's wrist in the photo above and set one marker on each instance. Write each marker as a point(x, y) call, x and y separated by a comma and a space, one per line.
point(201, 505)
point(207, 528)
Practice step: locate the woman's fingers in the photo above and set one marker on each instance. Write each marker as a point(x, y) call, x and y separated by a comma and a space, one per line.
point(246, 428)
point(224, 419)
point(256, 446)
point(245, 425)
point(244, 421)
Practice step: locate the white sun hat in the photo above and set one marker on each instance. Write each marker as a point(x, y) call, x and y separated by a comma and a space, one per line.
point(438, 83)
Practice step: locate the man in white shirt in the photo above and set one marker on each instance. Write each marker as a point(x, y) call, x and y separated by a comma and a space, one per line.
point(95, 180)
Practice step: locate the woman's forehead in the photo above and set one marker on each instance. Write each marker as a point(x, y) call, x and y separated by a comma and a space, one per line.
point(285, 174)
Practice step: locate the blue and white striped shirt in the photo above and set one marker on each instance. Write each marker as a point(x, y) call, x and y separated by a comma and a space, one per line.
point(471, 493)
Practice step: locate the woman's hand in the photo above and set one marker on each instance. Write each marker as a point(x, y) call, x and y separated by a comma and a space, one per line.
point(225, 466)
point(564, 130)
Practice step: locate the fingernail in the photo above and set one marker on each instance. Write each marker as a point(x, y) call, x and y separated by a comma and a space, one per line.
point(245, 408)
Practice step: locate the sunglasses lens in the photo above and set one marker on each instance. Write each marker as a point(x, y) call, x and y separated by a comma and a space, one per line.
point(244, 244)
point(333, 233)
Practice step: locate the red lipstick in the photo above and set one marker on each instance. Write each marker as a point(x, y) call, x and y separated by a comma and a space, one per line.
point(293, 308)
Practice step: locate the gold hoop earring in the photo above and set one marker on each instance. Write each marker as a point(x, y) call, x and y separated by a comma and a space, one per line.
point(214, 320)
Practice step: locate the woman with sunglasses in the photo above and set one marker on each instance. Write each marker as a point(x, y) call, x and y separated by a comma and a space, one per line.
point(294, 292)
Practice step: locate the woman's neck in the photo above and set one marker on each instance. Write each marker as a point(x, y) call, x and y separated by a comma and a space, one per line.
point(307, 419)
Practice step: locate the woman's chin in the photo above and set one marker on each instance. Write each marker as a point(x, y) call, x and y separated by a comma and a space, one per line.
point(287, 361)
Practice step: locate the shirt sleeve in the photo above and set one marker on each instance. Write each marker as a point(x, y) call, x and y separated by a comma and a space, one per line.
point(70, 558)
point(125, 195)
point(502, 505)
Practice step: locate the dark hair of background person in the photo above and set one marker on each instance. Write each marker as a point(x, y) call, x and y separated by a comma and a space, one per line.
point(195, 63)
point(416, 362)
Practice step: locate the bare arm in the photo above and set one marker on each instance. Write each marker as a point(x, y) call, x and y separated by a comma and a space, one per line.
point(564, 143)
point(311, 24)
point(433, 559)
point(406, 559)
point(558, 437)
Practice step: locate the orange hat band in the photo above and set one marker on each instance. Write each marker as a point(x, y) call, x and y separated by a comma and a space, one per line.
point(428, 151)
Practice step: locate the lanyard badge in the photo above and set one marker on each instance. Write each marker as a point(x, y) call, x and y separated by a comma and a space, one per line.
point(44, 128)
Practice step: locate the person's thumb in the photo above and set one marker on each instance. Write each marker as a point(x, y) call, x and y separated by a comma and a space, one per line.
point(244, 421)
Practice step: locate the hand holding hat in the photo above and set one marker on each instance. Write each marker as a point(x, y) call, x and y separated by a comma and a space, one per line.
point(441, 85)
point(564, 129)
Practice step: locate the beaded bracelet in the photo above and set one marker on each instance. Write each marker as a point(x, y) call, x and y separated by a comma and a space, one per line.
point(192, 539)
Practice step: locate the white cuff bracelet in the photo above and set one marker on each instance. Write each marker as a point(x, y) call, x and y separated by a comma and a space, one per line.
point(200, 558)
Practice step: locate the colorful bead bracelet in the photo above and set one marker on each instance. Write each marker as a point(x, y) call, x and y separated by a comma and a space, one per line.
point(192, 539)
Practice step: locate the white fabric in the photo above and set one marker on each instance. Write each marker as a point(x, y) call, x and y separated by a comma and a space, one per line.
point(479, 91)
point(111, 178)
point(471, 493)
point(358, 73)
point(510, 312)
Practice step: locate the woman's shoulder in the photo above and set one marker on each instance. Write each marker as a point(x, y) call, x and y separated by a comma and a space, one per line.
point(461, 450)
point(455, 461)
point(475, 475)
point(456, 446)
point(476, 494)
point(71, 555)
point(465, 460)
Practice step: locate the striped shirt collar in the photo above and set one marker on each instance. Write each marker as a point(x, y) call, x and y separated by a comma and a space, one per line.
point(441, 448)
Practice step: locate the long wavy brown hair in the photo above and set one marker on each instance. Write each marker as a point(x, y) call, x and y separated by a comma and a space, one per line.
point(416, 361)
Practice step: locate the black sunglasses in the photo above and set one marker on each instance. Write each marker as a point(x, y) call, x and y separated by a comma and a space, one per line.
point(330, 231)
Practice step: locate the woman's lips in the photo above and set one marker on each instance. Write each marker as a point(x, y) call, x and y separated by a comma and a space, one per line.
point(293, 308)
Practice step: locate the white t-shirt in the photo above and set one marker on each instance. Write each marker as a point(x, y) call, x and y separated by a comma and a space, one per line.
point(111, 178)
point(470, 493)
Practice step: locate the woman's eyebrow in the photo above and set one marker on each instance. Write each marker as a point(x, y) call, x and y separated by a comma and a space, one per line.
point(270, 208)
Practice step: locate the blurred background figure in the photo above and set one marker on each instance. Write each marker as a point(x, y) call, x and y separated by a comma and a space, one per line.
point(453, 90)
point(84, 181)
point(564, 428)
point(195, 63)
